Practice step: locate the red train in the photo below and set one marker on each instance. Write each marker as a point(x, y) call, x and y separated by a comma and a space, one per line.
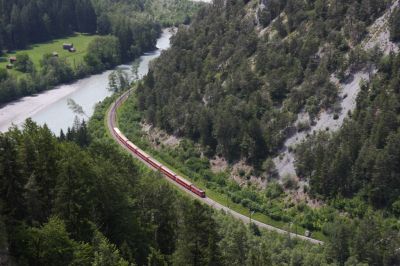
point(158, 166)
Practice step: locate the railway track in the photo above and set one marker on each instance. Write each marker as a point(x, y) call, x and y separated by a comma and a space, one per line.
point(111, 124)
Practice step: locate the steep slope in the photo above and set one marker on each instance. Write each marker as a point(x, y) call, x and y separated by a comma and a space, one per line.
point(248, 81)
point(378, 36)
point(361, 159)
point(236, 79)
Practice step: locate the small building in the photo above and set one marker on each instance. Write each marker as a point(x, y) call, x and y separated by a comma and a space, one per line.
point(9, 66)
point(54, 54)
point(72, 50)
point(67, 46)
point(12, 59)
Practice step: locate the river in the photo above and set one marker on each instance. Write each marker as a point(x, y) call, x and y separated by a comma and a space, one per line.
point(51, 106)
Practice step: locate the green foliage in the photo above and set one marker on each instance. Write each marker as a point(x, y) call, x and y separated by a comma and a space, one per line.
point(369, 240)
point(47, 245)
point(103, 53)
point(362, 157)
point(37, 50)
point(106, 253)
point(395, 25)
point(240, 100)
point(24, 63)
point(132, 28)
point(289, 182)
point(46, 20)
point(197, 242)
point(55, 70)
point(56, 216)
point(48, 177)
point(118, 81)
point(187, 159)
point(3, 74)
point(273, 190)
point(338, 246)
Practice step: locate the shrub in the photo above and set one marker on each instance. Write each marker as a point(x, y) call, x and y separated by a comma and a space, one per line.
point(242, 172)
point(24, 63)
point(273, 190)
point(289, 182)
point(303, 126)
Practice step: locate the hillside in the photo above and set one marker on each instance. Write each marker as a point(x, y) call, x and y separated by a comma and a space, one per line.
point(251, 81)
point(80, 200)
point(288, 108)
point(255, 68)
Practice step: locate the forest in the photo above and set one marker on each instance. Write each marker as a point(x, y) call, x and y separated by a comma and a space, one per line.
point(232, 85)
point(92, 204)
point(240, 101)
point(25, 22)
point(237, 91)
point(363, 157)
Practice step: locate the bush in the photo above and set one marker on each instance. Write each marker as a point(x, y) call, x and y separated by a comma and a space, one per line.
point(103, 53)
point(24, 63)
point(396, 208)
point(303, 126)
point(289, 182)
point(273, 190)
point(276, 216)
point(242, 172)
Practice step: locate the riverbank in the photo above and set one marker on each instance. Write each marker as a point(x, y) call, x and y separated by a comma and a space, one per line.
point(51, 106)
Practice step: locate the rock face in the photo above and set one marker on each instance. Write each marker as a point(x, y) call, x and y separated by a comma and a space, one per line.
point(378, 36)
point(326, 121)
point(379, 33)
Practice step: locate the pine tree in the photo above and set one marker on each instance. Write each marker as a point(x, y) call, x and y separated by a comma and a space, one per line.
point(74, 199)
point(395, 25)
point(11, 181)
point(197, 242)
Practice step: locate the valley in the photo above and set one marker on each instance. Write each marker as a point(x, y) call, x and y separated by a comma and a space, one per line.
point(238, 132)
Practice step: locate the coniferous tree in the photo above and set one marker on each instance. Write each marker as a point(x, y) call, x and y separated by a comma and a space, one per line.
point(395, 25)
point(197, 242)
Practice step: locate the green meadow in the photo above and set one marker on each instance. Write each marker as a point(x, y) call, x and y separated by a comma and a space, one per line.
point(36, 51)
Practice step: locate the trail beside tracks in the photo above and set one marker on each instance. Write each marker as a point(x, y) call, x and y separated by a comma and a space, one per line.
point(111, 117)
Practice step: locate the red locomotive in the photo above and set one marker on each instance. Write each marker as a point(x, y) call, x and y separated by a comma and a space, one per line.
point(158, 166)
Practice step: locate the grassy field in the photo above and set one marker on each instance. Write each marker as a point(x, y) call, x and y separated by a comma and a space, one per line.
point(36, 51)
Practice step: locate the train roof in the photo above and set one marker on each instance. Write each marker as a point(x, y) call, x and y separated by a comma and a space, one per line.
point(184, 180)
point(157, 162)
point(144, 153)
point(169, 170)
point(131, 144)
point(120, 134)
